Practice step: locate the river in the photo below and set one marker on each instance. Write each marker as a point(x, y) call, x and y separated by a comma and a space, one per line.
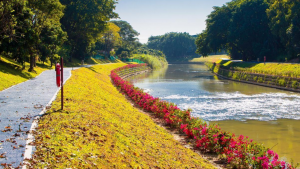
point(266, 115)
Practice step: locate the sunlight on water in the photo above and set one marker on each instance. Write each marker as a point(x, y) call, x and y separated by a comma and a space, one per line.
point(266, 115)
point(236, 106)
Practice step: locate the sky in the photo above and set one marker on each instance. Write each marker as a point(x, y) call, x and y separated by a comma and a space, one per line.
point(157, 17)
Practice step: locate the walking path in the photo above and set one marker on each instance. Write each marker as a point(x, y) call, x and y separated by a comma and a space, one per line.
point(19, 105)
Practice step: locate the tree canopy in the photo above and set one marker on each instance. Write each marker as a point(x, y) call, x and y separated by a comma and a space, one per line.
point(250, 29)
point(22, 24)
point(176, 46)
point(85, 21)
point(130, 42)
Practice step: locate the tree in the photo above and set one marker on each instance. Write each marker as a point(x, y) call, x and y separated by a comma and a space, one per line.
point(284, 23)
point(110, 38)
point(84, 21)
point(176, 46)
point(51, 39)
point(203, 47)
point(242, 28)
point(44, 14)
point(129, 37)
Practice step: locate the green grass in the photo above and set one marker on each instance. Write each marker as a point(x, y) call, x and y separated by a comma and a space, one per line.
point(11, 72)
point(275, 69)
point(99, 128)
point(210, 58)
point(89, 61)
point(154, 62)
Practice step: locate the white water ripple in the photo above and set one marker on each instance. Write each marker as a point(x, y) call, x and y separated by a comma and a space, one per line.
point(237, 106)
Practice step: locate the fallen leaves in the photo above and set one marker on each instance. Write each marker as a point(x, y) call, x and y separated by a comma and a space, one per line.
point(99, 127)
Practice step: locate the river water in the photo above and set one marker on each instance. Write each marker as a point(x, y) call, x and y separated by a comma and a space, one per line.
point(266, 115)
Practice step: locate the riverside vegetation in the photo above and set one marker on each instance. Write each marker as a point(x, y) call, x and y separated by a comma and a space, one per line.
point(240, 152)
point(154, 62)
point(277, 74)
point(99, 128)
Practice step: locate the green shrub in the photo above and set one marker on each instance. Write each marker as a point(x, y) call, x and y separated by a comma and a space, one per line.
point(235, 75)
point(153, 61)
point(282, 82)
point(294, 84)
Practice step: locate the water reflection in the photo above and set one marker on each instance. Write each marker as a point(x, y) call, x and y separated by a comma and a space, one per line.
point(283, 135)
point(261, 113)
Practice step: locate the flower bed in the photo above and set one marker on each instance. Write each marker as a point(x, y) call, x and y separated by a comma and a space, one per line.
point(240, 152)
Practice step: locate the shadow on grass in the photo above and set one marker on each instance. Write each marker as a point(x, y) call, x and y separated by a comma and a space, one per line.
point(14, 69)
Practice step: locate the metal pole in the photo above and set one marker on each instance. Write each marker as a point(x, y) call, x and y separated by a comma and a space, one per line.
point(62, 83)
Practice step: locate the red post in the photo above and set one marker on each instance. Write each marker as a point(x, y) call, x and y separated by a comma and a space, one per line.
point(62, 83)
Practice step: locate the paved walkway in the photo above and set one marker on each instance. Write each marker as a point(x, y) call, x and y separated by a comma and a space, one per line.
point(18, 106)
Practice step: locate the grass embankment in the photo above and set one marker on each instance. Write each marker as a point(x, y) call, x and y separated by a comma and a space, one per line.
point(99, 128)
point(89, 61)
point(284, 75)
point(211, 58)
point(154, 62)
point(11, 72)
point(275, 69)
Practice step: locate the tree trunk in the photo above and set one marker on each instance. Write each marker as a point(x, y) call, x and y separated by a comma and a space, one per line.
point(31, 67)
point(34, 61)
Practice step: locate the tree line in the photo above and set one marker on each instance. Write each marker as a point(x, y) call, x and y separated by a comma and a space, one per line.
point(177, 46)
point(48, 29)
point(251, 29)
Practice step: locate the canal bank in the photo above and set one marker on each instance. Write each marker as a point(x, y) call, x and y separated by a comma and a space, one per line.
point(228, 102)
point(286, 80)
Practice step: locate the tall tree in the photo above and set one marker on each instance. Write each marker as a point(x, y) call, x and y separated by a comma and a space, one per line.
point(110, 38)
point(129, 37)
point(84, 21)
point(284, 23)
point(44, 14)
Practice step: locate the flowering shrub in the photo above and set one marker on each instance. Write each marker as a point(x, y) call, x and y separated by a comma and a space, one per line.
point(239, 151)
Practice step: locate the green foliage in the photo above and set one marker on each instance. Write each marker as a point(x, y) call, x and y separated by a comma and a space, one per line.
point(251, 29)
point(260, 80)
point(295, 84)
point(84, 21)
point(29, 28)
point(124, 54)
point(281, 82)
point(176, 46)
point(153, 61)
point(109, 41)
point(129, 38)
point(255, 78)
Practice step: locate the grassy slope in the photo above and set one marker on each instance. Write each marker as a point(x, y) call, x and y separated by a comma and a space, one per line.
point(11, 72)
point(99, 128)
point(77, 62)
point(154, 62)
point(277, 69)
point(211, 58)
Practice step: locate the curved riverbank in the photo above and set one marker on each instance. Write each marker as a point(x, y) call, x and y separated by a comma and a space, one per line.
point(206, 137)
point(272, 81)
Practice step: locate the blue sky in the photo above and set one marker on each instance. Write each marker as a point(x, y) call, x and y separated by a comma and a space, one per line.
point(157, 17)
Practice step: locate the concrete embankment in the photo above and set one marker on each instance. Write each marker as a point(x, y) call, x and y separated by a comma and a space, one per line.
point(278, 82)
point(134, 71)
